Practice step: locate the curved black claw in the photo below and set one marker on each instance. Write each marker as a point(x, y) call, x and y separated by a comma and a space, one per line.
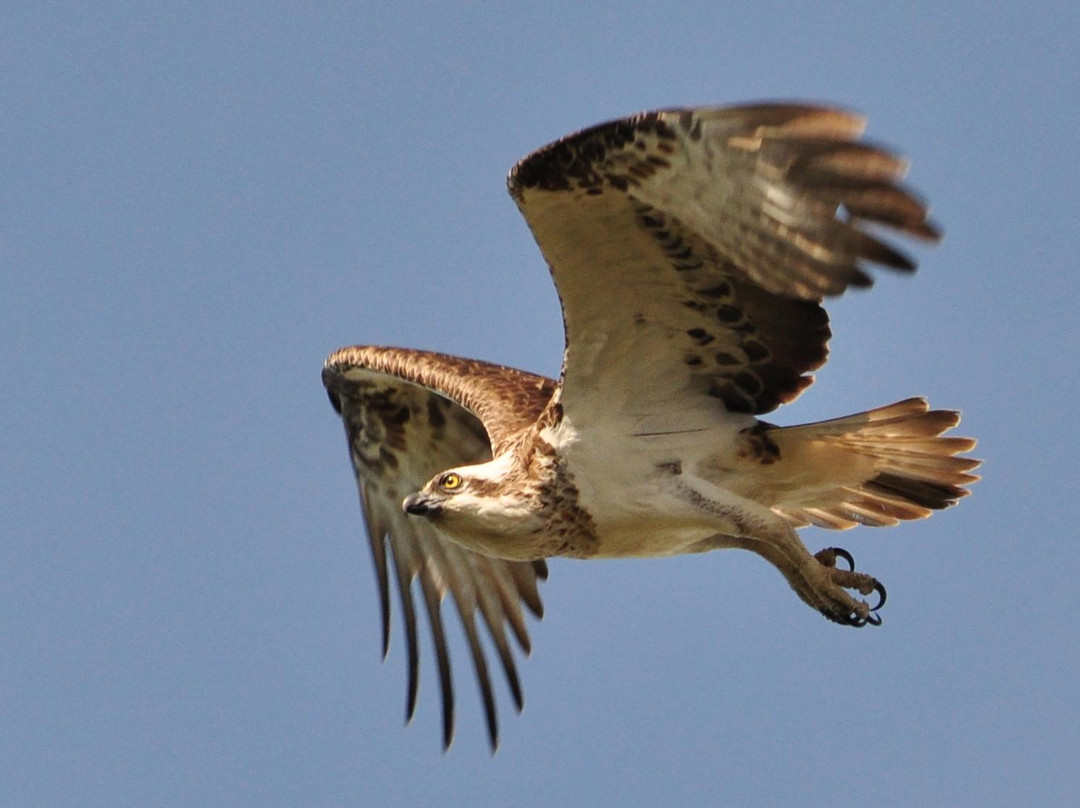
point(829, 555)
point(844, 554)
point(856, 620)
point(882, 597)
point(871, 617)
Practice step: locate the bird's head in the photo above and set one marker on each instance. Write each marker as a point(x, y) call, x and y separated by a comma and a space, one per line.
point(476, 506)
point(446, 493)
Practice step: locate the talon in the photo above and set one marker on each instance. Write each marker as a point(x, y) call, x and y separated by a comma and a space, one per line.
point(854, 619)
point(882, 596)
point(870, 617)
point(829, 555)
point(844, 554)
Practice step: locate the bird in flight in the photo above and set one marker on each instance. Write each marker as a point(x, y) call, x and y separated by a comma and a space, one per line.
point(691, 250)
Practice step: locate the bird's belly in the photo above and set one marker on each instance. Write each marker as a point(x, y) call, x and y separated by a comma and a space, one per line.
point(659, 523)
point(642, 539)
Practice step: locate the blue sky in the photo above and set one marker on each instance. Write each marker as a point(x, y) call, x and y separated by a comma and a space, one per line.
point(200, 201)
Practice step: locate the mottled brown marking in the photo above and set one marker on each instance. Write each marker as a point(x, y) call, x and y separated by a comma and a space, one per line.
point(483, 488)
point(754, 350)
point(734, 378)
point(700, 336)
point(435, 415)
point(720, 290)
point(505, 400)
point(728, 313)
point(563, 517)
point(735, 399)
point(617, 182)
point(582, 161)
point(748, 382)
point(758, 445)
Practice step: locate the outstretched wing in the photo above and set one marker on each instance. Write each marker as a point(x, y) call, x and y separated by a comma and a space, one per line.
point(409, 415)
point(691, 249)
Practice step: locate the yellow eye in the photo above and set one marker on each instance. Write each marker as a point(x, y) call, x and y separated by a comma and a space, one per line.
point(451, 481)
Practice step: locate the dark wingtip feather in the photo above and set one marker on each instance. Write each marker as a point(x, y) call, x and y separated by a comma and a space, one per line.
point(412, 644)
point(510, 669)
point(446, 682)
point(527, 589)
point(484, 680)
point(377, 541)
point(506, 657)
point(872, 249)
point(442, 657)
point(929, 230)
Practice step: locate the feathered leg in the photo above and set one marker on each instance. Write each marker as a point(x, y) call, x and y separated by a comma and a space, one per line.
point(816, 579)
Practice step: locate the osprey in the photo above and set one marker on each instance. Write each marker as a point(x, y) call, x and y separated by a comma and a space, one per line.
point(691, 249)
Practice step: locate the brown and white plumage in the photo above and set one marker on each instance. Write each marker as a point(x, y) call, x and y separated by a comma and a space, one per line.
point(691, 250)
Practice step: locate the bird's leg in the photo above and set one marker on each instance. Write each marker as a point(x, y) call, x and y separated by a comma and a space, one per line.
point(818, 581)
point(815, 578)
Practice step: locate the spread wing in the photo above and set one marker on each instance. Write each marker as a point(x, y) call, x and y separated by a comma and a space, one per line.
point(409, 415)
point(692, 248)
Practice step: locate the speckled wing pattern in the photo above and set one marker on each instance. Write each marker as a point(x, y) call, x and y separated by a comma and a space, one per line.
point(409, 415)
point(692, 248)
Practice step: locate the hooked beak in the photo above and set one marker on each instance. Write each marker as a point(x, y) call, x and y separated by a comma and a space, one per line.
point(420, 504)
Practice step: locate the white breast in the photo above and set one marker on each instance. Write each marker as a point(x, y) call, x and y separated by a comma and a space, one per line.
point(642, 491)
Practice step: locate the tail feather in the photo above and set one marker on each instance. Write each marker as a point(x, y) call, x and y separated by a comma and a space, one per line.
point(923, 492)
point(877, 468)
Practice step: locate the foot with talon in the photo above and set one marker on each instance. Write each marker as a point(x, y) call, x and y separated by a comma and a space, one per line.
point(835, 603)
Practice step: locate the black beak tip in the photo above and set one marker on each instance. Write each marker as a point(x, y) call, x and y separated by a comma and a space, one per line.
point(416, 505)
